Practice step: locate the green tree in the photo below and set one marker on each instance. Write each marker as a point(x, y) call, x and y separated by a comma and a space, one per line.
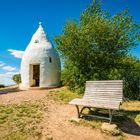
point(17, 78)
point(131, 75)
point(94, 48)
point(2, 86)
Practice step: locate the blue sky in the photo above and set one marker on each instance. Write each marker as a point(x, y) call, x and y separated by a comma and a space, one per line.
point(20, 18)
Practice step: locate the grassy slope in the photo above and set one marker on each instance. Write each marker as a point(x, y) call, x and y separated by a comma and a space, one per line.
point(19, 122)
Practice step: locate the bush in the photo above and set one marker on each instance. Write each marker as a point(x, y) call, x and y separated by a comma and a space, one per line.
point(17, 78)
point(131, 77)
point(2, 86)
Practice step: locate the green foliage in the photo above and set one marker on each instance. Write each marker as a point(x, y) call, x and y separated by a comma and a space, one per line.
point(95, 47)
point(17, 78)
point(131, 76)
point(2, 86)
point(139, 36)
point(137, 119)
point(63, 96)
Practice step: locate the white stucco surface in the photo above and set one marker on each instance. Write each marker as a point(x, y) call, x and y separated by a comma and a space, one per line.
point(40, 51)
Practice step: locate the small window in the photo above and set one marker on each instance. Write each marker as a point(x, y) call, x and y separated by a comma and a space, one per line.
point(50, 59)
point(36, 41)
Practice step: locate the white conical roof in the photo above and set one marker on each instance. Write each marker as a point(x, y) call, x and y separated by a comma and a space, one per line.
point(39, 39)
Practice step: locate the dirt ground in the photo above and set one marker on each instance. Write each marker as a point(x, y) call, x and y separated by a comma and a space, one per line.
point(56, 123)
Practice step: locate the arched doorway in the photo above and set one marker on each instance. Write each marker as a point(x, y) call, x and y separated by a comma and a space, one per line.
point(34, 75)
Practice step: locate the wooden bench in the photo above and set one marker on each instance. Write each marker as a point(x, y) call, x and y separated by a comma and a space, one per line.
point(100, 95)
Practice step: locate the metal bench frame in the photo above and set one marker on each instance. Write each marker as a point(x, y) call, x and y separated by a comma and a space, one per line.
point(81, 114)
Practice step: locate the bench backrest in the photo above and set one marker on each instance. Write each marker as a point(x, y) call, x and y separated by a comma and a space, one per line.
point(111, 90)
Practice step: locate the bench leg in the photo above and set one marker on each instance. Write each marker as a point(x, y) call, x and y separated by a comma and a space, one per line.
point(80, 111)
point(77, 107)
point(110, 115)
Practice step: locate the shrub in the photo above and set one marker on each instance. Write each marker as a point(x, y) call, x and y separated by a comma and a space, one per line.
point(2, 86)
point(17, 78)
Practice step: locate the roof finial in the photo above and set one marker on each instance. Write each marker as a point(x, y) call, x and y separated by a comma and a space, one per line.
point(40, 23)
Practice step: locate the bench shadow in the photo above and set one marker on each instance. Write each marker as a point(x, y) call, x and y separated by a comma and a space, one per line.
point(125, 120)
point(131, 127)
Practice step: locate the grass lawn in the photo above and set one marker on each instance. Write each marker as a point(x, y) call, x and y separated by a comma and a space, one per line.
point(19, 122)
point(63, 95)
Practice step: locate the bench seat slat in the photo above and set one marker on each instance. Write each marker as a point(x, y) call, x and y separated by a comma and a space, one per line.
point(103, 100)
point(91, 93)
point(97, 103)
point(100, 96)
point(107, 98)
point(103, 93)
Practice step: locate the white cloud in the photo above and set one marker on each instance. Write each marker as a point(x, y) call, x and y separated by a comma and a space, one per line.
point(11, 73)
point(2, 63)
point(6, 78)
point(16, 53)
point(9, 68)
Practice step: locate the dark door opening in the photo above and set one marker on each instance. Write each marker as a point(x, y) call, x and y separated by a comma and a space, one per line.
point(36, 75)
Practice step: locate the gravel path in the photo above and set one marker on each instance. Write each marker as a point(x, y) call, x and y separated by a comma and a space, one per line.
point(21, 96)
